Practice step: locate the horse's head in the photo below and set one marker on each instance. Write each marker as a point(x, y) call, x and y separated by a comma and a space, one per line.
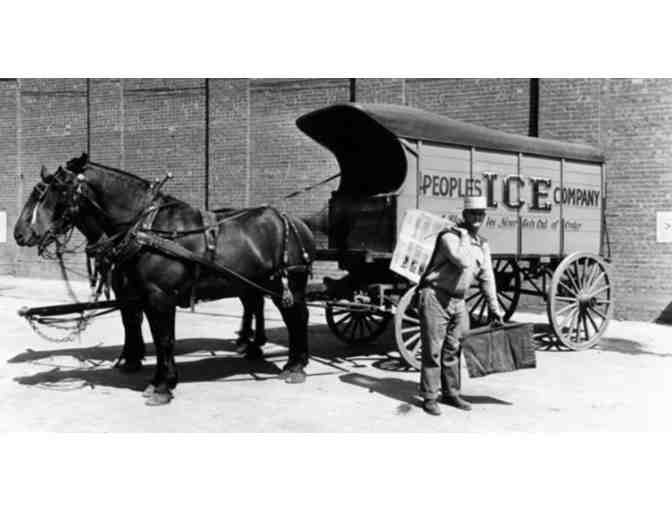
point(51, 209)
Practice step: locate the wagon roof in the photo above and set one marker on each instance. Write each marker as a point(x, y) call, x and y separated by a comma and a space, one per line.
point(329, 125)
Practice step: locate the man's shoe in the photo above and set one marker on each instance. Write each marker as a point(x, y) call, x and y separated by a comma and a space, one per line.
point(431, 407)
point(456, 401)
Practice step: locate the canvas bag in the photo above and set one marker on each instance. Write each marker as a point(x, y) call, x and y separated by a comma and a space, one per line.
point(489, 350)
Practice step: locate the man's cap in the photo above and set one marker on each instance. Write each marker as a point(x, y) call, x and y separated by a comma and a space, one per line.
point(477, 203)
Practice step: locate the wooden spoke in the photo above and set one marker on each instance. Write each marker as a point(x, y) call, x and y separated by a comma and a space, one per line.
point(562, 310)
point(599, 291)
point(407, 330)
point(571, 291)
point(340, 311)
point(592, 321)
point(597, 279)
point(502, 295)
point(566, 299)
point(594, 269)
point(474, 295)
point(599, 313)
point(412, 320)
point(508, 280)
point(412, 340)
point(355, 326)
point(480, 299)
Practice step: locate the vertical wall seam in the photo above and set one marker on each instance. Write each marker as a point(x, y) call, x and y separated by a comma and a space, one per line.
point(207, 146)
point(19, 164)
point(88, 116)
point(248, 169)
point(122, 125)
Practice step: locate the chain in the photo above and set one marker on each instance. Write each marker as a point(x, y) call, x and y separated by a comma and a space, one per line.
point(74, 326)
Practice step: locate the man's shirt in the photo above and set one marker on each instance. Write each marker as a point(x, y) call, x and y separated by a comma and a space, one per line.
point(459, 259)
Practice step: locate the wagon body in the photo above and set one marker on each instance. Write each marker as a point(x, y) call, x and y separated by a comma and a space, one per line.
point(545, 201)
point(393, 158)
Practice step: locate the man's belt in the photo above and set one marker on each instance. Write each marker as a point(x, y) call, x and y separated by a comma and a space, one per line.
point(429, 285)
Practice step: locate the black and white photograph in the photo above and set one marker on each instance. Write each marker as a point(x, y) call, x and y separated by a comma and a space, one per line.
point(249, 252)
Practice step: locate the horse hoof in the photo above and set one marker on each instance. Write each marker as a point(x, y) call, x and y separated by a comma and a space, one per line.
point(254, 352)
point(297, 377)
point(159, 399)
point(242, 346)
point(149, 391)
point(129, 367)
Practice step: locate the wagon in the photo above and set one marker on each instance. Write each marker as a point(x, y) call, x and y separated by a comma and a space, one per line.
point(545, 222)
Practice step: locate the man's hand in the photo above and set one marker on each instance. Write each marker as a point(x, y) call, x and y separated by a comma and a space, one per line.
point(463, 233)
point(497, 319)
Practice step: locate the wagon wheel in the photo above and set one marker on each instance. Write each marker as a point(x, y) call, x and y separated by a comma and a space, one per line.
point(407, 329)
point(580, 302)
point(355, 326)
point(507, 279)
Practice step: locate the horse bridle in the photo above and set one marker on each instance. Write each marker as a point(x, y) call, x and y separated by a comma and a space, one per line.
point(71, 195)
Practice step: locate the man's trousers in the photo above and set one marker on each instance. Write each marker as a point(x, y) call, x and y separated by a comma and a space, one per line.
point(443, 319)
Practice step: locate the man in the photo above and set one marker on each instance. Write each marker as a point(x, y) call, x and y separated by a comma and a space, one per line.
point(460, 256)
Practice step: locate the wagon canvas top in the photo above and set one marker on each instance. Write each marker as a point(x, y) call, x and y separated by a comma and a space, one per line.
point(329, 125)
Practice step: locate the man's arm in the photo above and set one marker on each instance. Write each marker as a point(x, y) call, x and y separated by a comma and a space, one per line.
point(486, 279)
point(455, 246)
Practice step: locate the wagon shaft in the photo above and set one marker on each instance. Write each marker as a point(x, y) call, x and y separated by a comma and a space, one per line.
point(50, 311)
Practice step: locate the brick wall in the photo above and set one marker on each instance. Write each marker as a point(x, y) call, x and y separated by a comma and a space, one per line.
point(9, 181)
point(637, 137)
point(631, 120)
point(257, 155)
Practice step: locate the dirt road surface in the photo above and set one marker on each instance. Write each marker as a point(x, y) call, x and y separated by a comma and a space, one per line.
point(622, 385)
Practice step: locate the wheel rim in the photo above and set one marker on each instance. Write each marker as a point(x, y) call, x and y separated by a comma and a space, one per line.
point(407, 329)
point(580, 303)
point(355, 327)
point(507, 277)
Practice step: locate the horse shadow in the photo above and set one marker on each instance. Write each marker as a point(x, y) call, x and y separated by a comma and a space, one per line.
point(212, 368)
point(215, 359)
point(100, 353)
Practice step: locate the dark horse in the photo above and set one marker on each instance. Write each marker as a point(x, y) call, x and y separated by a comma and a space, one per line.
point(113, 209)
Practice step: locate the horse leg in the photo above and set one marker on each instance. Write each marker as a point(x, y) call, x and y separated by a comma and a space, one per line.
point(245, 332)
point(162, 324)
point(296, 320)
point(259, 324)
point(133, 352)
point(251, 307)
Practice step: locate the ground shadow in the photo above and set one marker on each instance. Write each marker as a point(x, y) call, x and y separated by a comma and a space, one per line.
point(627, 347)
point(207, 369)
point(218, 360)
point(665, 316)
point(111, 352)
point(405, 391)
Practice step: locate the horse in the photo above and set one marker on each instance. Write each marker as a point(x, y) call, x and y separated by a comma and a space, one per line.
point(163, 253)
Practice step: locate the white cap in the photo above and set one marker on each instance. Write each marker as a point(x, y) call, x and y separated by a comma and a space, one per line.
point(475, 203)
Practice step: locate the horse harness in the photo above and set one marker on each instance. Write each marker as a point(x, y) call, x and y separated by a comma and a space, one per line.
point(119, 248)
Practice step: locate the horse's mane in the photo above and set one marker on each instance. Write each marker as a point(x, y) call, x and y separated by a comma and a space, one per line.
point(80, 164)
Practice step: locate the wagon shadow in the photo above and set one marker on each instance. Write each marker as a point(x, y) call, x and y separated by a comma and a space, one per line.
point(625, 346)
